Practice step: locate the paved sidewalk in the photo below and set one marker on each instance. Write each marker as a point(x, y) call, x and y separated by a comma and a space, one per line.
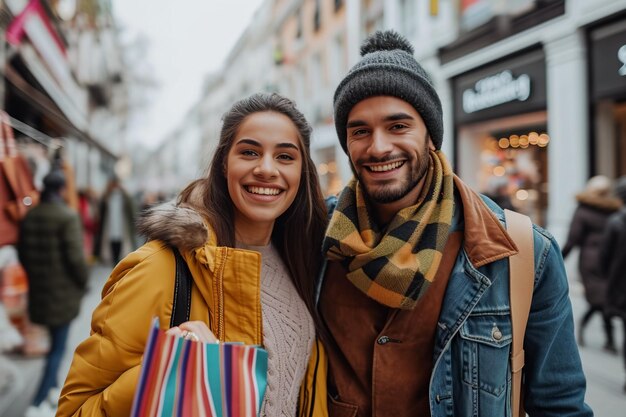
point(605, 371)
point(32, 367)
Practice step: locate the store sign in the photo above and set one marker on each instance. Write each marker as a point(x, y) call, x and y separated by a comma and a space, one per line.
point(495, 90)
point(511, 86)
point(608, 61)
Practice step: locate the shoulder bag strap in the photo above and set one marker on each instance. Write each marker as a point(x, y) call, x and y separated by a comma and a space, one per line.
point(182, 291)
point(522, 278)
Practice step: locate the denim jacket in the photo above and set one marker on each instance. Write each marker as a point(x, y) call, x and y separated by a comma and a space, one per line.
point(471, 374)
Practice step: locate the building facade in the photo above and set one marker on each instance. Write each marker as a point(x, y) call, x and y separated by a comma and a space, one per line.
point(63, 84)
point(533, 91)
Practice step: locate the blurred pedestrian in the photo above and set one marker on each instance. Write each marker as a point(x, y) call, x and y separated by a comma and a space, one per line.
point(50, 248)
point(148, 200)
point(613, 261)
point(498, 192)
point(88, 214)
point(595, 206)
point(251, 229)
point(117, 222)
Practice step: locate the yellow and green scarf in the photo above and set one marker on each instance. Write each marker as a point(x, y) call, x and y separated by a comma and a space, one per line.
point(396, 265)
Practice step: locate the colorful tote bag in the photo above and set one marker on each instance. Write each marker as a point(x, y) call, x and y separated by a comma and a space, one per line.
point(181, 377)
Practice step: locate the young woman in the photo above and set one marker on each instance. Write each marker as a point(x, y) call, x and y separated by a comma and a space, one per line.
point(250, 233)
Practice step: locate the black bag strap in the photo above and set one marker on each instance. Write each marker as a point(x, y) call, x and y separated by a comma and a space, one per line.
point(182, 291)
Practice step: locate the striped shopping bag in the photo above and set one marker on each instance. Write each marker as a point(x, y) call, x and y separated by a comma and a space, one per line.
point(181, 377)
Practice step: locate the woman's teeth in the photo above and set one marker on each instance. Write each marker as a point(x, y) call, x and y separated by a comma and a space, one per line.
point(263, 190)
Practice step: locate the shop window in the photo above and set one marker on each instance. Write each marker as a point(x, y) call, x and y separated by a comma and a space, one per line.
point(609, 142)
point(513, 170)
point(620, 131)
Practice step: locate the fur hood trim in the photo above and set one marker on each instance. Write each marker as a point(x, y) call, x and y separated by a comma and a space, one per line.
point(177, 226)
point(599, 202)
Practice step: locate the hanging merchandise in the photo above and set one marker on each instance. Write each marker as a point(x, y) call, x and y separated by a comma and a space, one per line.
point(14, 298)
point(17, 190)
point(14, 292)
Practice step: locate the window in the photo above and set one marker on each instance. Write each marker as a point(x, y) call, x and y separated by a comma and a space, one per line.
point(409, 17)
point(317, 16)
point(338, 59)
point(316, 74)
point(299, 24)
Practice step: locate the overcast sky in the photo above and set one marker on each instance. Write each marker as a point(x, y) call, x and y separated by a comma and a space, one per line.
point(188, 39)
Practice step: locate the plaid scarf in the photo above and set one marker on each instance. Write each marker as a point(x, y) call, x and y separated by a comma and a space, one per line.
point(396, 265)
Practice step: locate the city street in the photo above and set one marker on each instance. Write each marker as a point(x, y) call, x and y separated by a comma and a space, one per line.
point(605, 371)
point(80, 329)
point(255, 109)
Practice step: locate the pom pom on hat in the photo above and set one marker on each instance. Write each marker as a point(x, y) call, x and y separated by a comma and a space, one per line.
point(386, 41)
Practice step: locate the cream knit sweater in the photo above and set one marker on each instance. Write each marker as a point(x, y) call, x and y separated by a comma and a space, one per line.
point(288, 334)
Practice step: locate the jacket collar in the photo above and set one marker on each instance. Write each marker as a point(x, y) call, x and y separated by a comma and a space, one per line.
point(485, 239)
point(183, 228)
point(177, 226)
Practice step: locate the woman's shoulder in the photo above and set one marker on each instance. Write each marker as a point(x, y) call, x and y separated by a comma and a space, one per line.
point(151, 260)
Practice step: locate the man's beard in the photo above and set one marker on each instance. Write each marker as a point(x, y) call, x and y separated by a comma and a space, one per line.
point(382, 194)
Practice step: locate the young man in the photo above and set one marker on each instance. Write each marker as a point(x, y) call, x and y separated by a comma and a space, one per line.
point(414, 301)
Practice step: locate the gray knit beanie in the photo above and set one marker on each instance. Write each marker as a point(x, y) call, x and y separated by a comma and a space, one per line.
point(388, 68)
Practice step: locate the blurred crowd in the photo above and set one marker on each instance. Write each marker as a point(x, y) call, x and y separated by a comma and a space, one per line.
point(49, 237)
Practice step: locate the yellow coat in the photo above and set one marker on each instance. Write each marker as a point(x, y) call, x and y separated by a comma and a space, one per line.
point(225, 294)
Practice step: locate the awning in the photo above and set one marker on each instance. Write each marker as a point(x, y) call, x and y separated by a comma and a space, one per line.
point(46, 106)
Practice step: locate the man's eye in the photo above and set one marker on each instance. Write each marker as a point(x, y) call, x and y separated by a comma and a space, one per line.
point(398, 126)
point(358, 132)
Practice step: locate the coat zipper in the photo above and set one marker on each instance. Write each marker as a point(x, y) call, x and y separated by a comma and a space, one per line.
point(220, 296)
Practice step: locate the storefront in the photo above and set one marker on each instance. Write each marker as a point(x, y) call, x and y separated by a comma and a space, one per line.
point(501, 135)
point(607, 72)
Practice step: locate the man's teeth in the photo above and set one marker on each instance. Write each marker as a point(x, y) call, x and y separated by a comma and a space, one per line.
point(264, 190)
point(387, 167)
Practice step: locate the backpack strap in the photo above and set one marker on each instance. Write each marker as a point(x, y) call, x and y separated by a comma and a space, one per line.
point(522, 279)
point(182, 291)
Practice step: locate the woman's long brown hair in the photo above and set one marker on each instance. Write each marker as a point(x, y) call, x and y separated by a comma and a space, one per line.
point(297, 233)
